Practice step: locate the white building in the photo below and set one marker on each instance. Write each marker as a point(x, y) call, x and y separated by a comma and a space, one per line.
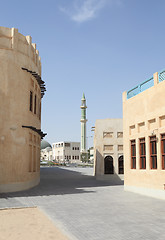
point(66, 152)
point(46, 151)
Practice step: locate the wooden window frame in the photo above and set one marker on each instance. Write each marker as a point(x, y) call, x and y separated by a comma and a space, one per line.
point(133, 157)
point(35, 104)
point(153, 155)
point(31, 102)
point(142, 152)
point(163, 152)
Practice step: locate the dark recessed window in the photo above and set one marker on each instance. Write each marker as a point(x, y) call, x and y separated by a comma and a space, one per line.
point(121, 165)
point(108, 165)
point(163, 150)
point(35, 102)
point(142, 153)
point(133, 154)
point(31, 101)
point(153, 153)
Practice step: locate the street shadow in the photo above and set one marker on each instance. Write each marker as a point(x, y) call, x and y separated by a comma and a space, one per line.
point(61, 181)
point(114, 179)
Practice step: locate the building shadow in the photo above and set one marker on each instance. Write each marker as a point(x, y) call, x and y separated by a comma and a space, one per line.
point(111, 176)
point(61, 181)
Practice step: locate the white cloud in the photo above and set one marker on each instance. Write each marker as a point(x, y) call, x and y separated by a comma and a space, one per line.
point(84, 10)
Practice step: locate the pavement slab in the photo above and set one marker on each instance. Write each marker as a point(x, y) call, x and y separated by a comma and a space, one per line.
point(84, 208)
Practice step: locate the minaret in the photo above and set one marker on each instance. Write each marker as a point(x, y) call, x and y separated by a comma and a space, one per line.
point(83, 128)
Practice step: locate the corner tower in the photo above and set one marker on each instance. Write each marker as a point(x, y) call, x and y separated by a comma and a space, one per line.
point(83, 128)
point(21, 91)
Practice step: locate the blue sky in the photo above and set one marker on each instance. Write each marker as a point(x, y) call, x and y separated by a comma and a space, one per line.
point(99, 47)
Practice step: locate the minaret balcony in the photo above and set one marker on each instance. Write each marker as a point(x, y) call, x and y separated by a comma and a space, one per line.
point(84, 120)
point(83, 107)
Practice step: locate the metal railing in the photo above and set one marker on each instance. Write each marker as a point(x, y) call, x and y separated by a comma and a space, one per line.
point(161, 75)
point(141, 87)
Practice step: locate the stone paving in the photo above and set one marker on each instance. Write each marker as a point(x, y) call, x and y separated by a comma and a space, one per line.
point(89, 209)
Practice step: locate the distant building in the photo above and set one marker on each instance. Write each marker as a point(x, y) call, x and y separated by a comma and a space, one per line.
point(144, 137)
point(66, 152)
point(108, 150)
point(21, 90)
point(46, 151)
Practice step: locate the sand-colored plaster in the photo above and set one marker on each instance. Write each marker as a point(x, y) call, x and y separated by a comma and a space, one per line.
point(27, 223)
point(19, 145)
point(143, 117)
point(102, 126)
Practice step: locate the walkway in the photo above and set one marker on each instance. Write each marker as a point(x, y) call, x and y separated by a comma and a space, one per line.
point(87, 209)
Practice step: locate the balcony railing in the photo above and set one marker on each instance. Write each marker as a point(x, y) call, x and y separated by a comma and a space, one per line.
point(161, 75)
point(141, 87)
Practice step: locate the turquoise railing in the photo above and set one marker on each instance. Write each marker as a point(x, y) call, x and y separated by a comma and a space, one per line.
point(141, 87)
point(161, 75)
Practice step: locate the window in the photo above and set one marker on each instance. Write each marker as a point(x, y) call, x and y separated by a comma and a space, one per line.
point(120, 147)
point(34, 158)
point(73, 148)
point(38, 107)
point(31, 101)
point(142, 153)
point(30, 158)
point(133, 154)
point(153, 153)
point(72, 157)
point(108, 147)
point(163, 150)
point(120, 134)
point(40, 111)
point(30, 136)
point(35, 102)
point(108, 165)
point(107, 134)
point(32, 83)
point(121, 165)
point(67, 144)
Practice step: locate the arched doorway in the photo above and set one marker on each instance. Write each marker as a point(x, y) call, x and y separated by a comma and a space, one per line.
point(121, 165)
point(108, 165)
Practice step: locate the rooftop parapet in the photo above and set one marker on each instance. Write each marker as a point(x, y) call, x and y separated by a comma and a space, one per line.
point(150, 82)
point(11, 39)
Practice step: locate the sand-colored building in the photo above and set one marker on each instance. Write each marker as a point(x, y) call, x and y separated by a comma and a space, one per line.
point(21, 90)
point(108, 150)
point(66, 152)
point(144, 137)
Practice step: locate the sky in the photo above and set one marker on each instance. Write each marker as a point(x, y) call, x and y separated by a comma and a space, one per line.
point(99, 47)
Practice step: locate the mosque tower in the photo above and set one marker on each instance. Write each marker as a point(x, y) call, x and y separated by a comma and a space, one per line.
point(83, 128)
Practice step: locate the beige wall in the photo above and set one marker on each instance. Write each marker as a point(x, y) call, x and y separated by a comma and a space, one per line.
point(19, 147)
point(144, 116)
point(106, 144)
point(62, 153)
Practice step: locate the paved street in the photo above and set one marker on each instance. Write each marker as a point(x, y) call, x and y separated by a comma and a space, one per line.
point(88, 209)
